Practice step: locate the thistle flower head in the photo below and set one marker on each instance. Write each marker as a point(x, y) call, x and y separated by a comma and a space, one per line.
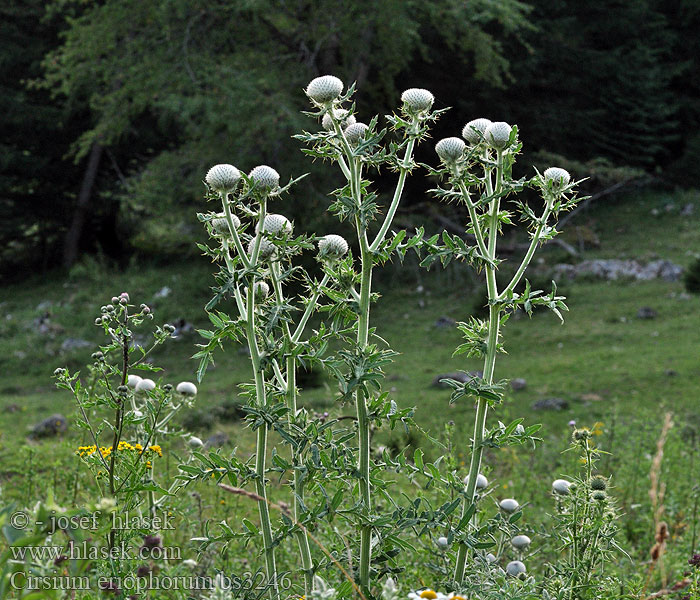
point(267, 248)
point(133, 380)
point(561, 487)
point(599, 483)
point(145, 385)
point(450, 149)
point(520, 542)
point(186, 388)
point(515, 568)
point(341, 116)
point(599, 496)
point(324, 89)
point(332, 247)
point(277, 225)
point(261, 290)
point(222, 178)
point(265, 178)
point(474, 131)
point(559, 177)
point(509, 505)
point(498, 135)
point(355, 133)
point(481, 481)
point(220, 225)
point(417, 100)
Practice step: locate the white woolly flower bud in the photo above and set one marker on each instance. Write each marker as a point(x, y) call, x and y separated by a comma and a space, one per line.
point(389, 590)
point(265, 178)
point(450, 149)
point(341, 115)
point(520, 542)
point(195, 442)
point(261, 290)
point(417, 100)
point(189, 563)
point(223, 178)
point(481, 481)
point(561, 487)
point(515, 568)
point(138, 414)
point(355, 133)
point(332, 247)
point(186, 388)
point(324, 89)
point(267, 248)
point(145, 385)
point(509, 505)
point(441, 542)
point(491, 558)
point(474, 131)
point(498, 134)
point(560, 177)
point(133, 380)
point(277, 225)
point(220, 225)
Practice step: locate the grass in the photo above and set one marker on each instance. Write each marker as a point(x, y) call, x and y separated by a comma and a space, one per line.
point(610, 366)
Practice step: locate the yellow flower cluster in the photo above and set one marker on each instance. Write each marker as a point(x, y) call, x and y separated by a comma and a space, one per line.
point(105, 451)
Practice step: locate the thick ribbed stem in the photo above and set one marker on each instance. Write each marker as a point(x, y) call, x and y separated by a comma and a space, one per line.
point(261, 446)
point(291, 397)
point(489, 359)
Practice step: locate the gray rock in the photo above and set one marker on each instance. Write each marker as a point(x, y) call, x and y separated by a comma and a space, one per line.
point(518, 384)
point(688, 210)
point(70, 344)
point(646, 312)
point(216, 441)
point(49, 427)
point(550, 404)
point(457, 376)
point(614, 268)
point(42, 307)
point(445, 322)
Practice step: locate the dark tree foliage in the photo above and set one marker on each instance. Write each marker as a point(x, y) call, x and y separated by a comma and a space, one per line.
point(160, 90)
point(37, 186)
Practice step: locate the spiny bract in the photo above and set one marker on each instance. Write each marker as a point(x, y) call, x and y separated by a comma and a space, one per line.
point(559, 176)
point(332, 246)
point(186, 388)
point(498, 134)
point(265, 178)
point(450, 149)
point(220, 224)
point(223, 178)
point(355, 132)
point(324, 89)
point(474, 131)
point(267, 248)
point(277, 224)
point(417, 99)
point(341, 115)
point(261, 290)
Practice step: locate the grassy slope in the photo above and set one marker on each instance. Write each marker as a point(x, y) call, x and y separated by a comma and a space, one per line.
point(609, 365)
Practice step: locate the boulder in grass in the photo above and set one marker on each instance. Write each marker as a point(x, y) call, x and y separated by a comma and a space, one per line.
point(518, 384)
point(550, 404)
point(49, 427)
point(216, 441)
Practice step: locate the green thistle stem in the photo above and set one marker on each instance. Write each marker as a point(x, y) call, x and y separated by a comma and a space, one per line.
point(489, 359)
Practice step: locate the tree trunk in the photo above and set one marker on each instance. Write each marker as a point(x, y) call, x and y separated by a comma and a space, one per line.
point(71, 242)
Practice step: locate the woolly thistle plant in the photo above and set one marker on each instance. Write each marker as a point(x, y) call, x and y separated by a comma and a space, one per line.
point(478, 174)
point(256, 250)
point(357, 149)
